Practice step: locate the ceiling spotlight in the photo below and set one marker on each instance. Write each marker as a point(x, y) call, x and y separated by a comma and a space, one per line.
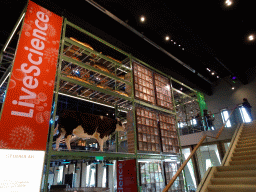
point(233, 88)
point(218, 77)
point(179, 45)
point(213, 73)
point(142, 18)
point(251, 37)
point(183, 49)
point(208, 69)
point(228, 2)
point(174, 42)
point(171, 40)
point(167, 38)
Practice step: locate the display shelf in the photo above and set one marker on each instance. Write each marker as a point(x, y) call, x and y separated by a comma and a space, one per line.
point(151, 176)
point(92, 70)
point(170, 170)
point(147, 130)
point(168, 133)
point(143, 83)
point(163, 91)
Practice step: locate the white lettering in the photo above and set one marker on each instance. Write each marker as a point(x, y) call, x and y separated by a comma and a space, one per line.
point(23, 114)
point(34, 62)
point(36, 44)
point(30, 84)
point(34, 51)
point(30, 95)
point(35, 33)
point(26, 104)
point(30, 69)
point(40, 15)
point(39, 27)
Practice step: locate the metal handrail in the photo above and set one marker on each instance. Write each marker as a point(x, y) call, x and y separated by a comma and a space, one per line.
point(167, 187)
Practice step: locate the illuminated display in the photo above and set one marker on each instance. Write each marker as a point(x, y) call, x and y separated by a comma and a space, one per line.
point(21, 170)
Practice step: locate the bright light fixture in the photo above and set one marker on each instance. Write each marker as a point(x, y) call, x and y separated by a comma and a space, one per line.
point(213, 73)
point(142, 18)
point(218, 77)
point(251, 37)
point(167, 38)
point(174, 43)
point(233, 88)
point(228, 2)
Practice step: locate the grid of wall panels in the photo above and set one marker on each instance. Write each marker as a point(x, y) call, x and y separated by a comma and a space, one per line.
point(168, 133)
point(151, 177)
point(147, 129)
point(143, 83)
point(170, 170)
point(163, 92)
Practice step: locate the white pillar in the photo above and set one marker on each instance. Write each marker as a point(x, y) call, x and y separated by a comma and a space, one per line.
point(100, 175)
point(111, 178)
point(77, 184)
point(56, 173)
point(84, 170)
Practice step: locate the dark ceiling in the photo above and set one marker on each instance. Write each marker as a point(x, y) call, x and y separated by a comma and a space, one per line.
point(213, 35)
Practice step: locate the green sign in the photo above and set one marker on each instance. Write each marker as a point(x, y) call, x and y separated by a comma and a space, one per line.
point(99, 158)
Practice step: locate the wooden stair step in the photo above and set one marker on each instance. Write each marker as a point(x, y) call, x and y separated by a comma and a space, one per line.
point(234, 181)
point(244, 157)
point(243, 149)
point(248, 137)
point(248, 134)
point(252, 140)
point(239, 145)
point(241, 162)
point(249, 152)
point(240, 173)
point(231, 188)
point(236, 167)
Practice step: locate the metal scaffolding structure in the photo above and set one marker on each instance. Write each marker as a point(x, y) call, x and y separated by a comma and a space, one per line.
point(86, 74)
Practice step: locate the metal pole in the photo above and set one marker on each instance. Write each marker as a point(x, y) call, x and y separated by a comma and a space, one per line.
point(55, 107)
point(176, 123)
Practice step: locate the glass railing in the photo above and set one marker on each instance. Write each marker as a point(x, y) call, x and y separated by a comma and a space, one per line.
point(215, 121)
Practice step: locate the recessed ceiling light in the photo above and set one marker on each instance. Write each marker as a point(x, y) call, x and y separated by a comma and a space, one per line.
point(251, 37)
point(213, 73)
point(142, 18)
point(208, 69)
point(179, 45)
point(183, 49)
point(228, 2)
point(171, 40)
point(167, 38)
point(233, 88)
point(174, 43)
point(218, 77)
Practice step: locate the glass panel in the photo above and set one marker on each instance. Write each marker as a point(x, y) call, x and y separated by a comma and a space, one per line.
point(60, 175)
point(225, 116)
point(208, 156)
point(226, 145)
point(189, 170)
point(104, 178)
point(245, 116)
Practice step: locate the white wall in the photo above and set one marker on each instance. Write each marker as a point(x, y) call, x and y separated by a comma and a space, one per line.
point(224, 96)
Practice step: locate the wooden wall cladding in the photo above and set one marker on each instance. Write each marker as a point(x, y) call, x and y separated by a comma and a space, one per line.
point(163, 92)
point(143, 83)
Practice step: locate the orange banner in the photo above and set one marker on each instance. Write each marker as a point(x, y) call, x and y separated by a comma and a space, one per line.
point(27, 108)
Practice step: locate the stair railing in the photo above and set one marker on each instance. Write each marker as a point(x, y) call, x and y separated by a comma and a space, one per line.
point(168, 186)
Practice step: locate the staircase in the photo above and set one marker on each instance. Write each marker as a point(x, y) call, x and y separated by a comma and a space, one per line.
point(238, 170)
